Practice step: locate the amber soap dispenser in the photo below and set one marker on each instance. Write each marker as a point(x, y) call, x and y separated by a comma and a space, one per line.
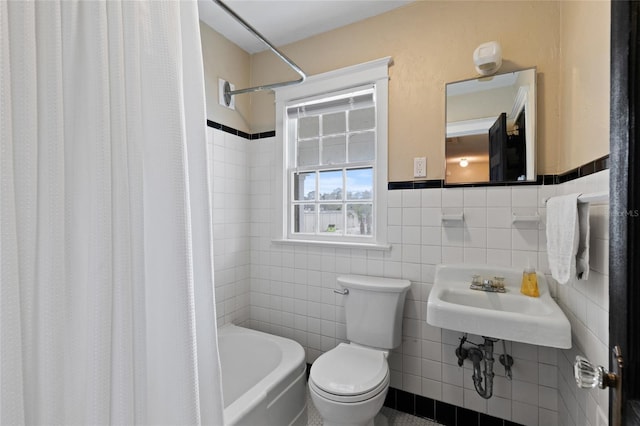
point(530, 282)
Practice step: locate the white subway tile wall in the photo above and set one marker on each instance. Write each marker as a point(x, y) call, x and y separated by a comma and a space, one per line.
point(586, 304)
point(291, 286)
point(230, 187)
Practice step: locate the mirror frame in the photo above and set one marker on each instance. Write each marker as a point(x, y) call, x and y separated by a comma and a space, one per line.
point(521, 101)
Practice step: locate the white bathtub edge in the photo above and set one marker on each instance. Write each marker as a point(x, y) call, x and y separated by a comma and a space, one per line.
point(293, 359)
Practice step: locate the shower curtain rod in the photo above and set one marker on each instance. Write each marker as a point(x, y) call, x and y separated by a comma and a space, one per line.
point(227, 88)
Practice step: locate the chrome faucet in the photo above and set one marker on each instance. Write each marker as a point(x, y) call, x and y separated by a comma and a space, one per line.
point(493, 286)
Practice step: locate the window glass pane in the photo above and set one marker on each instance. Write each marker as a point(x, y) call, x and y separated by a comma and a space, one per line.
point(334, 123)
point(304, 218)
point(330, 185)
point(360, 184)
point(331, 219)
point(308, 152)
point(308, 127)
point(334, 150)
point(362, 119)
point(362, 147)
point(359, 219)
point(331, 144)
point(304, 186)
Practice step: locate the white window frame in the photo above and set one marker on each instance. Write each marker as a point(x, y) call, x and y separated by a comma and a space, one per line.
point(374, 73)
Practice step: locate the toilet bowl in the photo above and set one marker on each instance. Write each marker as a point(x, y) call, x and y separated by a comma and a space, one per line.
point(348, 385)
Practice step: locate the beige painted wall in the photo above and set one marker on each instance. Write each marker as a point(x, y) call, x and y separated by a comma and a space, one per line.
point(474, 172)
point(585, 87)
point(432, 43)
point(224, 59)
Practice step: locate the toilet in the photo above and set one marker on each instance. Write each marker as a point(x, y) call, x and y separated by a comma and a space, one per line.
point(349, 383)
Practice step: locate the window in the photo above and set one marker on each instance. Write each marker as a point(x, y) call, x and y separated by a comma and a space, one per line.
point(334, 136)
point(332, 170)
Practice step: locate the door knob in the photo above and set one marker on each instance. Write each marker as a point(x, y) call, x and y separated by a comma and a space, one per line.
point(589, 376)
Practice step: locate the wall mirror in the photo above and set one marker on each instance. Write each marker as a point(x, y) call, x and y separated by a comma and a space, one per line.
point(491, 129)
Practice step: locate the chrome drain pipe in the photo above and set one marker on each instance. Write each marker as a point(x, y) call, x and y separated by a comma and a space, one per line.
point(482, 359)
point(483, 353)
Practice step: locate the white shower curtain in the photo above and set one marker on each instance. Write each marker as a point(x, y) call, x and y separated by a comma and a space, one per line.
point(106, 275)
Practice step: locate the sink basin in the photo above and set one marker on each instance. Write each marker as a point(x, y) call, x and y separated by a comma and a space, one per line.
point(510, 315)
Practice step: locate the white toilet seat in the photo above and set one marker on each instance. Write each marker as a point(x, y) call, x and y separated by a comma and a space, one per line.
point(349, 399)
point(349, 373)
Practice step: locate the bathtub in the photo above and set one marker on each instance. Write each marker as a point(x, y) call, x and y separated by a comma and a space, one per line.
point(263, 378)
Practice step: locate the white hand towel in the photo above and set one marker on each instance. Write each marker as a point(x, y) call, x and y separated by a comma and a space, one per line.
point(562, 236)
point(582, 257)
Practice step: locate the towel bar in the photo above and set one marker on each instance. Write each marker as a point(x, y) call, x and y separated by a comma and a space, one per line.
point(592, 198)
point(595, 198)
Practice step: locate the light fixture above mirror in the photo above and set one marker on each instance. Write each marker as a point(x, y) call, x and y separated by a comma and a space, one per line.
point(491, 125)
point(488, 58)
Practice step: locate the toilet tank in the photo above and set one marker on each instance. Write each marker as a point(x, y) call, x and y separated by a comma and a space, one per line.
point(373, 310)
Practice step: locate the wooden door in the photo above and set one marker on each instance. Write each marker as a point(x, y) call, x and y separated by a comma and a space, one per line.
point(497, 149)
point(624, 222)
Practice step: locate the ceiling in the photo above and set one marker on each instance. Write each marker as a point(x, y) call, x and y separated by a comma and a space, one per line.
point(286, 21)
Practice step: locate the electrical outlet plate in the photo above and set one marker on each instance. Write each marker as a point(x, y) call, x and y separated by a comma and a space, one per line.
point(221, 100)
point(420, 167)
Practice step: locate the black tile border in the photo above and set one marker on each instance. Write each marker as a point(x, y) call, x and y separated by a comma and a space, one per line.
point(446, 413)
point(245, 135)
point(405, 402)
point(549, 179)
point(442, 412)
point(591, 167)
point(263, 135)
point(410, 185)
point(539, 180)
point(439, 183)
point(464, 416)
point(594, 166)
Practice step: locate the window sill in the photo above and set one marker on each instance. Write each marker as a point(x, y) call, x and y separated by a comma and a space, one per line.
point(335, 244)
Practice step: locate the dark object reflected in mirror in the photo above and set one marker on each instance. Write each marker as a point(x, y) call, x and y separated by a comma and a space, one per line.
point(490, 129)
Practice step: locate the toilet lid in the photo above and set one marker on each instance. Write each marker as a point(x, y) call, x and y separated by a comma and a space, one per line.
point(349, 370)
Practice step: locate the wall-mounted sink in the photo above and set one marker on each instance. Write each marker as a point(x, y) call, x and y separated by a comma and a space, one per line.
point(510, 315)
